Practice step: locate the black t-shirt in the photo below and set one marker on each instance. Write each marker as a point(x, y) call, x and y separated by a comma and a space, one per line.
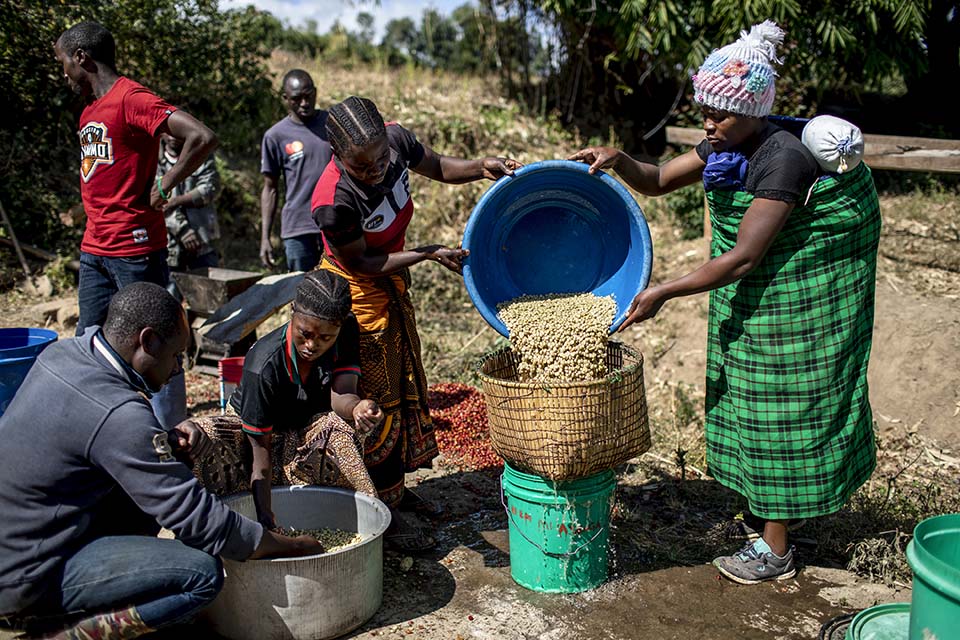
point(272, 395)
point(346, 209)
point(780, 167)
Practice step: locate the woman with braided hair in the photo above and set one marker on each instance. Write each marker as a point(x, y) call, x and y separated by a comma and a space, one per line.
point(298, 406)
point(363, 206)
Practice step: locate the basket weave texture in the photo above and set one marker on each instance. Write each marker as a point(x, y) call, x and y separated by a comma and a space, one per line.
point(563, 431)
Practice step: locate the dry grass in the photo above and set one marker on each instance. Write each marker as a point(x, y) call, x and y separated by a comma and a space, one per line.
point(671, 512)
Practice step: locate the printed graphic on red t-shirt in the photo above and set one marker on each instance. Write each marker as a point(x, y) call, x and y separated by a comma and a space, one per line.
point(96, 148)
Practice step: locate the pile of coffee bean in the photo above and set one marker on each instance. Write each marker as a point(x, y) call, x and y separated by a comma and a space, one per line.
point(559, 338)
point(331, 539)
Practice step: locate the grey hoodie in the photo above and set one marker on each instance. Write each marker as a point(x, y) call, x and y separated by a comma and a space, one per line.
point(77, 429)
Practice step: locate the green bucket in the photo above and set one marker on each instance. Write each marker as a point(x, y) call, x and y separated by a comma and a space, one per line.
point(558, 530)
point(882, 622)
point(934, 556)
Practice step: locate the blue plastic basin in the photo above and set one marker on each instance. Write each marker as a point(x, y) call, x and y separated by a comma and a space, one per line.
point(554, 228)
point(19, 348)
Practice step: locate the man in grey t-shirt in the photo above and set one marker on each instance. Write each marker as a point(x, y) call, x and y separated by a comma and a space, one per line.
point(296, 148)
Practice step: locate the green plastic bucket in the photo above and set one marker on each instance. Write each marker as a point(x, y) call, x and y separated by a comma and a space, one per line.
point(934, 556)
point(558, 530)
point(882, 622)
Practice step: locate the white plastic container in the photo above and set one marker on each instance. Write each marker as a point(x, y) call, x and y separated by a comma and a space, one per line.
point(313, 597)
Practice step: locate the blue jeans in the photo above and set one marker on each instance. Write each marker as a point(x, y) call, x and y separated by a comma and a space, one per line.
point(165, 580)
point(303, 252)
point(100, 278)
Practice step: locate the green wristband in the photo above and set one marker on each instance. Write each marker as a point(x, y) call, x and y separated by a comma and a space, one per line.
point(160, 188)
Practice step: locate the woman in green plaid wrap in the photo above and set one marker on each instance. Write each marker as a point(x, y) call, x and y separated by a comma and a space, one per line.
point(791, 282)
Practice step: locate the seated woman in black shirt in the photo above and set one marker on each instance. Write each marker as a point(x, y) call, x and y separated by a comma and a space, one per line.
point(299, 383)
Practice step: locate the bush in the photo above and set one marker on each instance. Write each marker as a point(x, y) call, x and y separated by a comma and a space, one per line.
point(210, 62)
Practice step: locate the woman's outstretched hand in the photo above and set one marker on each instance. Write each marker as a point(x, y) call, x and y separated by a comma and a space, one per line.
point(645, 305)
point(597, 157)
point(495, 168)
point(451, 258)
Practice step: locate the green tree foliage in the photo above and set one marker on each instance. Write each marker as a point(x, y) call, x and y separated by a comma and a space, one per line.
point(438, 39)
point(475, 38)
point(304, 41)
point(400, 41)
point(610, 51)
point(210, 62)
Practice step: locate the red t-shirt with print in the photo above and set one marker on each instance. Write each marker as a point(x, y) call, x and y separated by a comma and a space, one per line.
point(118, 165)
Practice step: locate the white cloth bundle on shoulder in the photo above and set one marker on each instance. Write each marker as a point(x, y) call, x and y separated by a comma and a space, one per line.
point(835, 143)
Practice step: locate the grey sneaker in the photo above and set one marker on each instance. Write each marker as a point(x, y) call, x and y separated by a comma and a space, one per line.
point(752, 566)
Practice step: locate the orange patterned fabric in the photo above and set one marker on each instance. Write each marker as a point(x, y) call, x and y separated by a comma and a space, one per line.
point(371, 299)
point(326, 453)
point(393, 376)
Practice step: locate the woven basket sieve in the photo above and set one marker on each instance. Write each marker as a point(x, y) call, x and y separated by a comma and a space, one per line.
point(562, 431)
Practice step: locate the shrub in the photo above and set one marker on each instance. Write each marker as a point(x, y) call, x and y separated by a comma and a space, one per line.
point(210, 62)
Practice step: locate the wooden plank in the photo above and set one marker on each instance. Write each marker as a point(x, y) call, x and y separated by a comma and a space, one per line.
point(899, 153)
point(40, 253)
point(907, 143)
point(936, 160)
point(684, 135)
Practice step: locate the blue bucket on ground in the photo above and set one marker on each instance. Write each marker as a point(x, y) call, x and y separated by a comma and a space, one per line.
point(19, 348)
point(555, 228)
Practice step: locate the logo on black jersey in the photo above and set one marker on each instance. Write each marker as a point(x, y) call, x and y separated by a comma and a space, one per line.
point(161, 446)
point(373, 222)
point(96, 148)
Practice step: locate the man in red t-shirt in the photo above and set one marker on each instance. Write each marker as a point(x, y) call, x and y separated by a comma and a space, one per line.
point(125, 240)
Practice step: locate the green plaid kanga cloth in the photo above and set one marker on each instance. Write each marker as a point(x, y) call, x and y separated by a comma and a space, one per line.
point(788, 421)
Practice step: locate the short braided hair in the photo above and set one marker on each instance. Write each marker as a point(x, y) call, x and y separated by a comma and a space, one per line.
point(323, 294)
point(354, 122)
point(94, 38)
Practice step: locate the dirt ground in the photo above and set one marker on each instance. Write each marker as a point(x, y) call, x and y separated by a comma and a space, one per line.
point(463, 590)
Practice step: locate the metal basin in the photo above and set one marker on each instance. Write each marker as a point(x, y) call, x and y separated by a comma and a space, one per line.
point(309, 598)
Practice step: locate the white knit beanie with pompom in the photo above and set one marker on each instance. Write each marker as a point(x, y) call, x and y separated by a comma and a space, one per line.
point(739, 78)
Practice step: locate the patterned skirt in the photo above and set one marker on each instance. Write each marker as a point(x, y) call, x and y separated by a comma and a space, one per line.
point(391, 374)
point(788, 421)
point(325, 453)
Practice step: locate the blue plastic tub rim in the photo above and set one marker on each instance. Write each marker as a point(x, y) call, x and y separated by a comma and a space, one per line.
point(29, 341)
point(632, 207)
